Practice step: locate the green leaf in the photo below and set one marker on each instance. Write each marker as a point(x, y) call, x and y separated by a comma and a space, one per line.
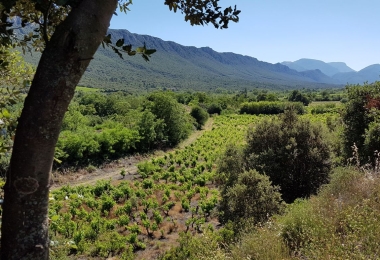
point(127, 48)
point(107, 39)
point(140, 49)
point(54, 218)
point(6, 113)
point(150, 51)
point(120, 42)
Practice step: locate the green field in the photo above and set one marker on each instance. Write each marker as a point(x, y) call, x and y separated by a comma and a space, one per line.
point(86, 89)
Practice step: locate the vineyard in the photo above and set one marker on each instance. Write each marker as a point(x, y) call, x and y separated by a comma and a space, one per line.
point(231, 191)
point(175, 192)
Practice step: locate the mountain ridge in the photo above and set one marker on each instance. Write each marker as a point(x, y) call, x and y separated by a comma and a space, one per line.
point(337, 70)
point(177, 67)
point(174, 65)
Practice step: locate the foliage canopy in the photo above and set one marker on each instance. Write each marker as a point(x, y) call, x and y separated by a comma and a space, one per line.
point(200, 115)
point(251, 196)
point(292, 152)
point(361, 121)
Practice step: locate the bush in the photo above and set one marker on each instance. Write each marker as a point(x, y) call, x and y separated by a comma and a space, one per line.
point(214, 109)
point(150, 131)
point(297, 96)
point(194, 247)
point(300, 226)
point(251, 197)
point(200, 115)
point(363, 103)
point(177, 126)
point(372, 142)
point(90, 146)
point(262, 243)
point(270, 108)
point(293, 152)
point(324, 108)
point(342, 222)
point(230, 166)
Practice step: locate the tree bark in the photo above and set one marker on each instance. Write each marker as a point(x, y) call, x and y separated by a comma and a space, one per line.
point(63, 62)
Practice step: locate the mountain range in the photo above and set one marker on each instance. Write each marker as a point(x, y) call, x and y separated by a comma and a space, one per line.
point(179, 67)
point(337, 70)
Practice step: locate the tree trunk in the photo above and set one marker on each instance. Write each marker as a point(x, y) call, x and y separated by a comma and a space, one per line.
point(63, 62)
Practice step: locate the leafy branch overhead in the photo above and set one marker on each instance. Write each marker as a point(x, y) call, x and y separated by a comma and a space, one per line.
point(200, 12)
point(46, 15)
point(120, 47)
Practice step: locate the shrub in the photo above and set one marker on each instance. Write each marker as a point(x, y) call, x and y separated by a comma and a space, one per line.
point(300, 226)
point(342, 222)
point(293, 152)
point(86, 145)
point(297, 96)
point(176, 121)
point(150, 130)
point(146, 168)
point(270, 108)
point(214, 109)
point(372, 142)
point(324, 108)
point(363, 103)
point(262, 243)
point(251, 196)
point(230, 165)
point(107, 203)
point(195, 247)
point(200, 115)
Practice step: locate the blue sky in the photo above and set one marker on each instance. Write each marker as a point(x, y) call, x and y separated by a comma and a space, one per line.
point(273, 30)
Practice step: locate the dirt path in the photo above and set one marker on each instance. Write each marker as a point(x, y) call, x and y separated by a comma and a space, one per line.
point(111, 171)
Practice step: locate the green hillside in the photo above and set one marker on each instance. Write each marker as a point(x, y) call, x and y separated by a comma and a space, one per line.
point(179, 67)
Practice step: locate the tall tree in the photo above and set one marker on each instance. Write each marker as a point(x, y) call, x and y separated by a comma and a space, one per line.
point(70, 31)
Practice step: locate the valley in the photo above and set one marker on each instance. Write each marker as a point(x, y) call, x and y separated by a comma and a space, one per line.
point(120, 146)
